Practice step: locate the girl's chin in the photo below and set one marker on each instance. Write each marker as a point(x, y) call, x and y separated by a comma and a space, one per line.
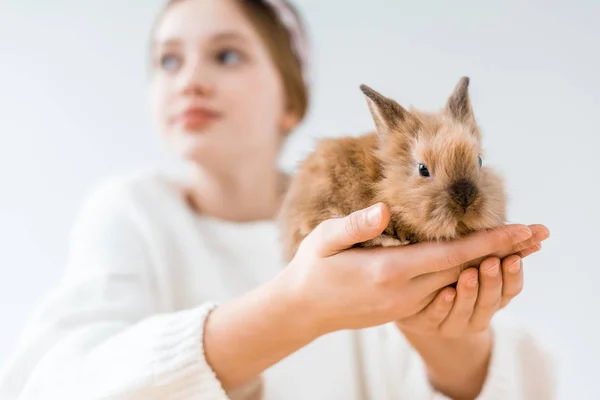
point(189, 145)
point(198, 147)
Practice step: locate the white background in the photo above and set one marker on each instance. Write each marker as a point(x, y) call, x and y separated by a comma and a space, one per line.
point(73, 111)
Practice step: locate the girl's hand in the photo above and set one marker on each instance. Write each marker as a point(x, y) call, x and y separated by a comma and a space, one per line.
point(456, 324)
point(328, 286)
point(470, 307)
point(334, 286)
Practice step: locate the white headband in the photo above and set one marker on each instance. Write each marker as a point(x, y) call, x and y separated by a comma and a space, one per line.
point(291, 21)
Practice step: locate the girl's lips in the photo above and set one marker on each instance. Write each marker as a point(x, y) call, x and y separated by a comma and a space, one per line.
point(196, 117)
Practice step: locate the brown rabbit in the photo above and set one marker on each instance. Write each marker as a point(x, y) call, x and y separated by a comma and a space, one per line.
point(426, 167)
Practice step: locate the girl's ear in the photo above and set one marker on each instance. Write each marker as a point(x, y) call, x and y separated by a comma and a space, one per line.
point(288, 122)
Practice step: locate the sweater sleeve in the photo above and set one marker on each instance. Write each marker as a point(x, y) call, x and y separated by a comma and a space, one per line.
point(100, 333)
point(521, 367)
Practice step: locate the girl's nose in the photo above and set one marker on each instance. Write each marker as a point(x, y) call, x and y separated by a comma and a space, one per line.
point(197, 81)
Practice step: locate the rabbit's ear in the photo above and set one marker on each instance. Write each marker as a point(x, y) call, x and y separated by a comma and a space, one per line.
point(458, 105)
point(387, 114)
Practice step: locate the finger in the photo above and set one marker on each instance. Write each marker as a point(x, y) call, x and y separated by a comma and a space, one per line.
point(337, 234)
point(490, 294)
point(429, 319)
point(539, 233)
point(433, 281)
point(512, 279)
point(432, 316)
point(437, 280)
point(458, 319)
point(434, 257)
point(425, 301)
point(530, 250)
point(523, 248)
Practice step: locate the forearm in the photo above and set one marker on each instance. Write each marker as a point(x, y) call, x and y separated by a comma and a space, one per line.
point(456, 367)
point(253, 332)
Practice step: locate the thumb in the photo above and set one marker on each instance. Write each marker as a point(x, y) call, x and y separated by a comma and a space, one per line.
point(337, 234)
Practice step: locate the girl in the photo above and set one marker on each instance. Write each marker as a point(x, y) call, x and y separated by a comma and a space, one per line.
point(175, 288)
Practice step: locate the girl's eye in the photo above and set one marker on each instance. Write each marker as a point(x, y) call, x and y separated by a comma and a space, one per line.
point(480, 162)
point(170, 62)
point(229, 57)
point(423, 171)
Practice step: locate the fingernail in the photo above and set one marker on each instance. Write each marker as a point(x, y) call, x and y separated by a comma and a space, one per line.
point(374, 215)
point(492, 272)
point(515, 268)
point(472, 283)
point(522, 235)
point(449, 297)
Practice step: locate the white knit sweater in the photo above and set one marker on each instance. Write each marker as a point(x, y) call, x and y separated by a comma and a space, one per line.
point(126, 321)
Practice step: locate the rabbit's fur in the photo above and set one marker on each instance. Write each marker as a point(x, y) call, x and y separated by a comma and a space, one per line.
point(425, 166)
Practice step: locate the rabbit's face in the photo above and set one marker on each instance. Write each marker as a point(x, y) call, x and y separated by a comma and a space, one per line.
point(441, 186)
point(435, 176)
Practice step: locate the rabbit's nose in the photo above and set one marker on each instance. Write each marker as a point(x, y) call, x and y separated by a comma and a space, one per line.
point(463, 192)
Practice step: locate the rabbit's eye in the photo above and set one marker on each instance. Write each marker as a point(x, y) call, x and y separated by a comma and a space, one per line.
point(480, 162)
point(423, 171)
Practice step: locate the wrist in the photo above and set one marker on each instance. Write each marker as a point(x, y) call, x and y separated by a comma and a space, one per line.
point(446, 341)
point(286, 301)
point(306, 300)
point(250, 333)
point(473, 348)
point(441, 356)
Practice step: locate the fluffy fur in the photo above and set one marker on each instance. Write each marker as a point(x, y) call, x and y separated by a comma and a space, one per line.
point(345, 174)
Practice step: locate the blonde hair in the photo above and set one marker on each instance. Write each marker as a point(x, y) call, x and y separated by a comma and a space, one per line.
point(279, 44)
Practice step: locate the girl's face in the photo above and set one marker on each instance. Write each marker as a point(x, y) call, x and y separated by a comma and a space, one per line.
point(215, 92)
